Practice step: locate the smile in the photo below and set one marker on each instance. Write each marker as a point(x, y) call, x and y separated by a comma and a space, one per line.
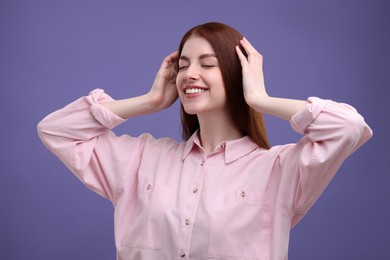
point(194, 90)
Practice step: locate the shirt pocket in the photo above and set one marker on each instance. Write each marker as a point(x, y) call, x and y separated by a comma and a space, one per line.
point(145, 229)
point(240, 226)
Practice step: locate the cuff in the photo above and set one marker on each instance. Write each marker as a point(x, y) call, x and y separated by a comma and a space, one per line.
point(301, 120)
point(104, 116)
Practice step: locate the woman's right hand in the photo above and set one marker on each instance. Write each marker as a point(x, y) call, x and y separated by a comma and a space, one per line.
point(164, 92)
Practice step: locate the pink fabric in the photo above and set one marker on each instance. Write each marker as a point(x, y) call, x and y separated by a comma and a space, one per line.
point(173, 202)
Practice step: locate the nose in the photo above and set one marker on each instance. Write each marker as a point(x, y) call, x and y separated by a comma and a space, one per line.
point(192, 73)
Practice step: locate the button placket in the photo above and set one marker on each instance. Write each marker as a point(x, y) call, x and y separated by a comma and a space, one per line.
point(202, 163)
point(190, 211)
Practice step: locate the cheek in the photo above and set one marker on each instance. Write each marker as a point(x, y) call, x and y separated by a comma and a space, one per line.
point(178, 81)
point(179, 85)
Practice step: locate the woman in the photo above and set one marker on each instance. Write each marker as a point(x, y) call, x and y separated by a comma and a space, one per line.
point(221, 193)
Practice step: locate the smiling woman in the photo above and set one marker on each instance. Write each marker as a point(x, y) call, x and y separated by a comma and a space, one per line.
point(222, 46)
point(222, 192)
point(199, 81)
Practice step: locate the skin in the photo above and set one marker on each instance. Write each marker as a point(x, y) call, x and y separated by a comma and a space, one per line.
point(199, 69)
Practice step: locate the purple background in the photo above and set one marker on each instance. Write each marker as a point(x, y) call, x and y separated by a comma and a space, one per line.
point(52, 52)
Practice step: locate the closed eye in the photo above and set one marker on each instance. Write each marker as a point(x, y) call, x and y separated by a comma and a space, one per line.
point(208, 66)
point(182, 67)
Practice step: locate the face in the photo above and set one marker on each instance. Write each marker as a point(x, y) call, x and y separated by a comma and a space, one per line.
point(199, 79)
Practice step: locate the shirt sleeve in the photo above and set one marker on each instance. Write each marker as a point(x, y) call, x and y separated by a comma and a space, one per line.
point(332, 131)
point(80, 136)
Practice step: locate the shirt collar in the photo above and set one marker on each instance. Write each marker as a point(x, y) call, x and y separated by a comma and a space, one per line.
point(194, 139)
point(234, 149)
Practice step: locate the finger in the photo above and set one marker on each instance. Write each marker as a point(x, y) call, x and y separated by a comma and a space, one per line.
point(249, 47)
point(246, 46)
point(169, 60)
point(245, 40)
point(172, 57)
point(241, 55)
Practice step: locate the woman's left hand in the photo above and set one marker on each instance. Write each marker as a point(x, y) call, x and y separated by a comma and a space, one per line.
point(252, 73)
point(254, 89)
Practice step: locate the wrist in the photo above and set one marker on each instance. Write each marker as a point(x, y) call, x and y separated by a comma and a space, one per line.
point(153, 102)
point(259, 102)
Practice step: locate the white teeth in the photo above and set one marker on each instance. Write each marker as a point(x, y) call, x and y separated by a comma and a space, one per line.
point(194, 90)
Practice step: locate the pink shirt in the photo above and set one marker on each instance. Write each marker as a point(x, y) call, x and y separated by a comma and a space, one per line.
point(173, 202)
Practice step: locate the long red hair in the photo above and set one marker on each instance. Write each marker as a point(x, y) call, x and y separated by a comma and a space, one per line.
point(223, 39)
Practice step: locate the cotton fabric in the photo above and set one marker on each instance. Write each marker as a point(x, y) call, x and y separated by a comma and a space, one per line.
point(172, 201)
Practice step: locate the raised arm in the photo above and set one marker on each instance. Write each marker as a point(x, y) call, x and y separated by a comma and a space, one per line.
point(79, 134)
point(332, 132)
point(254, 88)
point(162, 94)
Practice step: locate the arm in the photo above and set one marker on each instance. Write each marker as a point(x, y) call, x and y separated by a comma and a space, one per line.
point(73, 134)
point(332, 131)
point(254, 88)
point(79, 134)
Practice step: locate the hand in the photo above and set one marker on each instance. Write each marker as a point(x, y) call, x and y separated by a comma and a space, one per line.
point(254, 89)
point(164, 92)
point(252, 73)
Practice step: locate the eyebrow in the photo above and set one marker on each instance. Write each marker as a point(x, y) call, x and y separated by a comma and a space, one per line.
point(203, 56)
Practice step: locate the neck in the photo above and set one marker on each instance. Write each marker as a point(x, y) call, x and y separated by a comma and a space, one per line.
point(216, 128)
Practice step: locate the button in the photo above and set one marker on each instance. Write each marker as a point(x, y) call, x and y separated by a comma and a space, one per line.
point(243, 194)
point(222, 146)
point(195, 190)
point(182, 253)
point(187, 222)
point(202, 163)
point(149, 187)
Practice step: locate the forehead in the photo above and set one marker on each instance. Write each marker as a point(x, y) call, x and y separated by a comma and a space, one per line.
point(196, 46)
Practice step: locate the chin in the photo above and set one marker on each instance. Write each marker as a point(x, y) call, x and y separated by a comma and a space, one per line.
point(191, 111)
